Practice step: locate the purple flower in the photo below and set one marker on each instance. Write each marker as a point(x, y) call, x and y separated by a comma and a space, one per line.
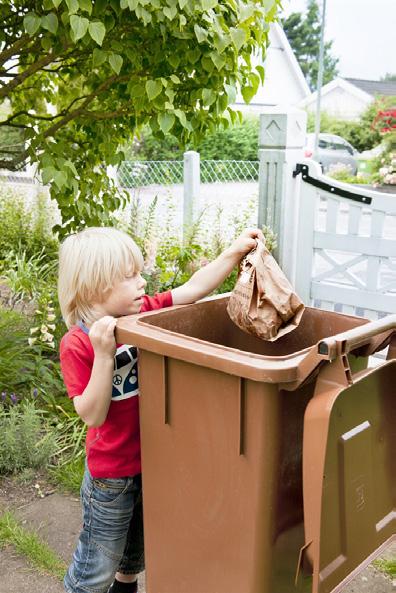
point(3, 395)
point(35, 392)
point(14, 398)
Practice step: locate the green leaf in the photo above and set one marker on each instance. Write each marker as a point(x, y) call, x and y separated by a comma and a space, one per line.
point(170, 94)
point(153, 89)
point(31, 22)
point(175, 78)
point(97, 31)
point(221, 42)
point(217, 60)
point(238, 36)
point(166, 121)
point(193, 55)
point(56, 3)
point(261, 72)
point(246, 11)
point(46, 43)
point(71, 166)
point(72, 6)
point(98, 57)
point(79, 25)
point(47, 174)
point(254, 80)
point(86, 5)
point(170, 12)
point(115, 61)
point(181, 116)
point(174, 60)
point(200, 33)
point(231, 92)
point(136, 90)
point(248, 93)
point(208, 4)
point(182, 3)
point(50, 22)
point(208, 97)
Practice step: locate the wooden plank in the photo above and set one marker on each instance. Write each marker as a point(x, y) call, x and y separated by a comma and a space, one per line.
point(374, 263)
point(377, 223)
point(327, 305)
point(354, 219)
point(365, 245)
point(372, 273)
point(349, 309)
point(352, 296)
point(370, 314)
point(332, 215)
point(304, 245)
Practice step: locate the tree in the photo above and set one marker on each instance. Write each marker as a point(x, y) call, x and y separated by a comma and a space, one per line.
point(303, 33)
point(388, 77)
point(78, 78)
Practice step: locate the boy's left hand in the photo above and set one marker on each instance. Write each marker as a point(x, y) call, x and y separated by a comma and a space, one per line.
point(246, 242)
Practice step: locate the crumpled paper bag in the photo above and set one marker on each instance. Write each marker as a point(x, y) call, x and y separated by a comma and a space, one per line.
point(263, 301)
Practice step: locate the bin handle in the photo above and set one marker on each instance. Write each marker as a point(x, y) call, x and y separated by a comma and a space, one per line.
point(344, 342)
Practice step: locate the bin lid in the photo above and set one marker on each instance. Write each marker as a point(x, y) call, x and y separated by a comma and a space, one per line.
point(349, 474)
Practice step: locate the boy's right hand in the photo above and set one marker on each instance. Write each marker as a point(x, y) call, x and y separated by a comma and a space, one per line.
point(102, 336)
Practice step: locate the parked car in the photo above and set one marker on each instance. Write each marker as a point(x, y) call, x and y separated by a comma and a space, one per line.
point(332, 149)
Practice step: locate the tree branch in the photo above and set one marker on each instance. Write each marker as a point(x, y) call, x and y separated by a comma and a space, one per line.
point(20, 78)
point(103, 87)
point(6, 54)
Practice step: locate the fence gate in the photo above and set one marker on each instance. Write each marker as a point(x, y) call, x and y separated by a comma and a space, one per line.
point(346, 246)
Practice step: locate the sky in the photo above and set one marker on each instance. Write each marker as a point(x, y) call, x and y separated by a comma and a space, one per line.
point(363, 34)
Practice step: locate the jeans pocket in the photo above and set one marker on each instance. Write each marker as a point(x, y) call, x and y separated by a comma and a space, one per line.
point(109, 491)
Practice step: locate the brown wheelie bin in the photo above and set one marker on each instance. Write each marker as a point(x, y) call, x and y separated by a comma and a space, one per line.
point(267, 467)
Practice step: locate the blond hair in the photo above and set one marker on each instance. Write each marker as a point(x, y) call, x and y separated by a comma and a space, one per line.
point(90, 262)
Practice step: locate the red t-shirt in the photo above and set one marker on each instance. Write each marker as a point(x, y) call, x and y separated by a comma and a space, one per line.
point(113, 449)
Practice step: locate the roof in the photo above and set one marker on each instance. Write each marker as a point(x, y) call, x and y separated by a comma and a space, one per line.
point(342, 83)
point(375, 87)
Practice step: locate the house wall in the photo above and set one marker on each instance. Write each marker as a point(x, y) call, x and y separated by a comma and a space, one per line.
point(341, 104)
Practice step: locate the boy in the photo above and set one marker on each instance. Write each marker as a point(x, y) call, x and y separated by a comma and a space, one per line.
point(99, 281)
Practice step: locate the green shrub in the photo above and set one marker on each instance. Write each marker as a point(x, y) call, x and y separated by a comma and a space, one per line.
point(362, 134)
point(24, 443)
point(28, 276)
point(238, 142)
point(17, 368)
point(24, 228)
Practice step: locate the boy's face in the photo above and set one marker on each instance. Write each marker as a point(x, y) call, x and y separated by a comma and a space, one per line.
point(125, 298)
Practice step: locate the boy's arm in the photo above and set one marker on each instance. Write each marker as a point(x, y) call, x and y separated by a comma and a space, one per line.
point(93, 404)
point(205, 280)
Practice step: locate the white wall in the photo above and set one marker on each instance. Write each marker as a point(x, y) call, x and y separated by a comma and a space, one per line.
point(341, 104)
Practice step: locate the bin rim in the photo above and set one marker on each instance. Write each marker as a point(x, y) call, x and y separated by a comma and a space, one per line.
point(289, 368)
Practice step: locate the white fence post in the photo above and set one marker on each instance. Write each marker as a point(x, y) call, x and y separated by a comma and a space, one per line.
point(191, 174)
point(281, 142)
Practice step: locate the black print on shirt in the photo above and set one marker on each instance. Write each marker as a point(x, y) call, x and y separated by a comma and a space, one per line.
point(125, 374)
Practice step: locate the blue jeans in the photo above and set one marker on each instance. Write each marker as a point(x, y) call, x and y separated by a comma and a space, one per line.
point(112, 536)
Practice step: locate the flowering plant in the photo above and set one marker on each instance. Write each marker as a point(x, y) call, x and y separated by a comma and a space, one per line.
point(387, 172)
point(385, 120)
point(385, 164)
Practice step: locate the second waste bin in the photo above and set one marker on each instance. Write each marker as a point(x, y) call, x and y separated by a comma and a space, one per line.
point(260, 459)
